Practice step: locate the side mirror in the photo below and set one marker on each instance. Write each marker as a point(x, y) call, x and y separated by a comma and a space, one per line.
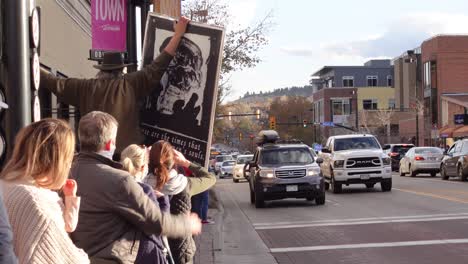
point(319, 161)
point(326, 150)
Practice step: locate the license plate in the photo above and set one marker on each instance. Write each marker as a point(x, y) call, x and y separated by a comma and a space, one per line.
point(365, 176)
point(432, 158)
point(291, 188)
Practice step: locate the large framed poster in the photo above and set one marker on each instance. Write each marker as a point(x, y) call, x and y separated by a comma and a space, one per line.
point(181, 109)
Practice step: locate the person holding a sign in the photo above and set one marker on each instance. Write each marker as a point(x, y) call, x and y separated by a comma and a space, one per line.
point(114, 92)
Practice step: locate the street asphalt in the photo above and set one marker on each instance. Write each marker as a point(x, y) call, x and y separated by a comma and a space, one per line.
point(422, 220)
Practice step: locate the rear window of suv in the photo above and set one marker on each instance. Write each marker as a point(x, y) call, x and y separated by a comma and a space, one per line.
point(402, 149)
point(223, 158)
point(287, 156)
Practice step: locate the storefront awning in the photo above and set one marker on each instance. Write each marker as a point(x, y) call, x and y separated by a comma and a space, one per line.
point(447, 131)
point(461, 132)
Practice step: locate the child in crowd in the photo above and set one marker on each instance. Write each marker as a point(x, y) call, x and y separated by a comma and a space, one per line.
point(153, 249)
point(39, 166)
point(163, 177)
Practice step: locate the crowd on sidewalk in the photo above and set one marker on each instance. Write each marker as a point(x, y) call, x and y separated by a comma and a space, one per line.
point(112, 202)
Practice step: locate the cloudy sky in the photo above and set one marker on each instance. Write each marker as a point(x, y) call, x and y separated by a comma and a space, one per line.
point(312, 33)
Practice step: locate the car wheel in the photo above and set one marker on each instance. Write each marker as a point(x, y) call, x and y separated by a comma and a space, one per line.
point(320, 200)
point(369, 185)
point(327, 186)
point(386, 185)
point(310, 198)
point(336, 187)
point(259, 202)
point(252, 197)
point(460, 173)
point(412, 173)
point(433, 174)
point(443, 172)
point(401, 172)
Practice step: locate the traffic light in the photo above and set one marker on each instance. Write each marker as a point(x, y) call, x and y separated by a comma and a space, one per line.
point(304, 123)
point(257, 114)
point(272, 123)
point(240, 136)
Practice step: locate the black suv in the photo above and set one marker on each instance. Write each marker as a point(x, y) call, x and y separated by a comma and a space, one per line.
point(283, 170)
point(396, 152)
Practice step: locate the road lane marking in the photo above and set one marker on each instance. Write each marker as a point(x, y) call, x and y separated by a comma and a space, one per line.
point(386, 221)
point(359, 219)
point(448, 198)
point(431, 180)
point(371, 245)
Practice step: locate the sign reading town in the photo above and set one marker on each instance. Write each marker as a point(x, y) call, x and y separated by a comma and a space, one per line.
point(109, 27)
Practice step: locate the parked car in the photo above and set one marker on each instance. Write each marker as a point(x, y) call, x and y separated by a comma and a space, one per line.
point(241, 161)
point(396, 152)
point(280, 171)
point(219, 161)
point(421, 160)
point(226, 168)
point(355, 159)
point(455, 162)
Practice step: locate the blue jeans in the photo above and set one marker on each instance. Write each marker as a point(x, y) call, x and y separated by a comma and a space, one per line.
point(200, 204)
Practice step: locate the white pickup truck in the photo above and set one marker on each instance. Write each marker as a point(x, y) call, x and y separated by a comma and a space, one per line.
point(355, 159)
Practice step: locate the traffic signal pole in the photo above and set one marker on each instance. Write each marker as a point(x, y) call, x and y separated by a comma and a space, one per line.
point(18, 90)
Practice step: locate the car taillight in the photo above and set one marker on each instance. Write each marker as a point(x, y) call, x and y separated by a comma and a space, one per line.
point(418, 158)
point(393, 154)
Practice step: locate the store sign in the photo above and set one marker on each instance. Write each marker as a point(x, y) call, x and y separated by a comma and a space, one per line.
point(461, 119)
point(109, 25)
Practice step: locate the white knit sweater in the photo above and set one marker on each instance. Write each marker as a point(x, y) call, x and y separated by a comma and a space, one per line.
point(38, 227)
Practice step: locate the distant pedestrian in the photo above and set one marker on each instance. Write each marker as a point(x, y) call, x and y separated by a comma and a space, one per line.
point(114, 92)
point(39, 166)
point(115, 212)
point(153, 249)
point(164, 178)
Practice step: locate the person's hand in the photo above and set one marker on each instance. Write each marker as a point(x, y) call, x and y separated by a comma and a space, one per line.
point(181, 26)
point(179, 159)
point(196, 224)
point(158, 194)
point(70, 187)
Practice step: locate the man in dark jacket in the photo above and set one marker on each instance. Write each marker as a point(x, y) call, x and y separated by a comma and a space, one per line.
point(115, 93)
point(115, 212)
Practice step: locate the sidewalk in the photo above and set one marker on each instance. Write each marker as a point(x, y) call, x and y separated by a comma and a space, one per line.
point(232, 239)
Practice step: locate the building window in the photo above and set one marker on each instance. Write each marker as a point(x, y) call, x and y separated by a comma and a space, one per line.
point(391, 103)
point(427, 75)
point(330, 83)
point(372, 80)
point(318, 109)
point(389, 81)
point(348, 81)
point(369, 104)
point(341, 107)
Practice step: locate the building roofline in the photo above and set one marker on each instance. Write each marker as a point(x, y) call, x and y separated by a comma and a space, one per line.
point(444, 35)
point(317, 73)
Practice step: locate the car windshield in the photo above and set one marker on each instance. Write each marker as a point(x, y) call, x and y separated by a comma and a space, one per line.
point(402, 149)
point(229, 163)
point(223, 158)
point(287, 156)
point(356, 143)
point(243, 160)
point(428, 150)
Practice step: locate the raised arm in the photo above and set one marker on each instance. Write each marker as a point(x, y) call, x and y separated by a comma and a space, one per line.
point(145, 80)
point(67, 90)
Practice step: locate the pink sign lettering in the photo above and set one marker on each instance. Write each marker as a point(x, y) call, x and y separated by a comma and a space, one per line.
point(109, 24)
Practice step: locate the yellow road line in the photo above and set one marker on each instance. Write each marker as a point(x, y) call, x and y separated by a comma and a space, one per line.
point(448, 198)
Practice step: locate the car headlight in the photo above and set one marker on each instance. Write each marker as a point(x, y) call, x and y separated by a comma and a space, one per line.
point(386, 161)
point(313, 172)
point(267, 174)
point(338, 163)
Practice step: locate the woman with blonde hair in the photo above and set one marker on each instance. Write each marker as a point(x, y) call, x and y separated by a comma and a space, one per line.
point(163, 177)
point(153, 249)
point(39, 167)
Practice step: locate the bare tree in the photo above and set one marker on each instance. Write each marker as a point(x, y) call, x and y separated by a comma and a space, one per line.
point(384, 119)
point(364, 119)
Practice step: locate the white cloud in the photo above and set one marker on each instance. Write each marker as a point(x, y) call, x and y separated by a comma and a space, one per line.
point(407, 32)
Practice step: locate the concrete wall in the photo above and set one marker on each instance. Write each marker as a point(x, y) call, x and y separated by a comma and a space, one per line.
point(382, 94)
point(65, 43)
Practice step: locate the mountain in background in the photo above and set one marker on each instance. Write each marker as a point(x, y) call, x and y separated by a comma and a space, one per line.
point(305, 91)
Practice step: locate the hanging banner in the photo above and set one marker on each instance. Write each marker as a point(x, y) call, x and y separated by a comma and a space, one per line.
point(109, 25)
point(181, 109)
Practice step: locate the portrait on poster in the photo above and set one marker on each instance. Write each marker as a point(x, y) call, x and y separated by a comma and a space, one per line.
point(181, 107)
